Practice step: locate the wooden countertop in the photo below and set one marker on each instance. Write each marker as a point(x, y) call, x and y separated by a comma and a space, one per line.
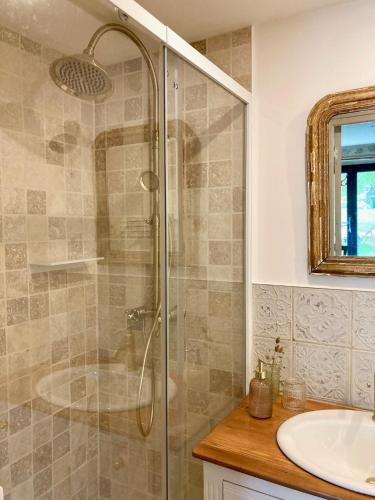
point(249, 446)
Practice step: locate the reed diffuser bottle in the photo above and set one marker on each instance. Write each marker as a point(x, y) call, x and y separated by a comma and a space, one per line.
point(260, 394)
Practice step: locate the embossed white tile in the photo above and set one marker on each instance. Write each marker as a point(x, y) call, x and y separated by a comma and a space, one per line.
point(324, 369)
point(263, 346)
point(362, 383)
point(272, 311)
point(364, 320)
point(322, 316)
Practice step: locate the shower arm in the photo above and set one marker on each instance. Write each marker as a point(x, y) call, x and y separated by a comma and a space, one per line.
point(90, 49)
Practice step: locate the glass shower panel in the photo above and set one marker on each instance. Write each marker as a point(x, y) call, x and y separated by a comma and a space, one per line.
point(131, 424)
point(79, 274)
point(205, 217)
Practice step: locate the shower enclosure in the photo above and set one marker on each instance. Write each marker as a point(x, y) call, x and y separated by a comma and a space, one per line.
point(122, 309)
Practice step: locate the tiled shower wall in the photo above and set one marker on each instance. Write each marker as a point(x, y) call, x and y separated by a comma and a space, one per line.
point(206, 212)
point(328, 335)
point(47, 319)
point(231, 52)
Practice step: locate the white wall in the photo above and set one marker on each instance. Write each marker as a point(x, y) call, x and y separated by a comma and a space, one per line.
point(296, 62)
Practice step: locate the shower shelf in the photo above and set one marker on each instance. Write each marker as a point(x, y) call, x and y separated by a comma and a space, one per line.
point(38, 267)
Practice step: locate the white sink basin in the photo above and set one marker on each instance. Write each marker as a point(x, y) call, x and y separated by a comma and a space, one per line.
point(335, 445)
point(104, 387)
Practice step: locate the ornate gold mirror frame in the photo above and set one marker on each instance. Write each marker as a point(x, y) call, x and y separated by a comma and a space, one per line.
point(317, 151)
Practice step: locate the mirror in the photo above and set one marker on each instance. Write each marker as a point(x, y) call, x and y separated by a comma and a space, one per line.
point(341, 183)
point(352, 180)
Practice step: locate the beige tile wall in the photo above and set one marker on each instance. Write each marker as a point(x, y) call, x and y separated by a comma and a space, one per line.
point(231, 52)
point(48, 319)
point(207, 215)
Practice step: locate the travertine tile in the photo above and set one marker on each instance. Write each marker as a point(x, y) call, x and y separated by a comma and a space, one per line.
point(200, 46)
point(16, 284)
point(220, 174)
point(4, 457)
point(39, 306)
point(15, 256)
point(36, 202)
point(195, 175)
point(219, 200)
point(221, 382)
point(10, 115)
point(241, 37)
point(219, 304)
point(17, 310)
point(196, 97)
point(220, 252)
point(19, 418)
point(42, 482)
point(14, 228)
point(14, 200)
point(241, 60)
point(37, 228)
point(133, 109)
point(21, 470)
point(219, 42)
point(42, 457)
point(61, 445)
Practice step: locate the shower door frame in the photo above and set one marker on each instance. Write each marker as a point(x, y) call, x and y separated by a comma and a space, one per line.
point(140, 18)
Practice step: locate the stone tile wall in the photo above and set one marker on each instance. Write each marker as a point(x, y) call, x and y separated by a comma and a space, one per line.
point(206, 193)
point(47, 319)
point(231, 52)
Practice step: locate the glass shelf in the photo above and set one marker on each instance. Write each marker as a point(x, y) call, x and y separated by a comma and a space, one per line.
point(38, 267)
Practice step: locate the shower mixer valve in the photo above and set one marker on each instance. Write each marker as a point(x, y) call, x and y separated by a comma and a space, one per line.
point(139, 313)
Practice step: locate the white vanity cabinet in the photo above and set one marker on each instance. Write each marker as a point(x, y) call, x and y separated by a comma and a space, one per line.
point(221, 483)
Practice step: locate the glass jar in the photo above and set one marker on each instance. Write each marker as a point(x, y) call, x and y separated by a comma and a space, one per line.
point(273, 375)
point(294, 394)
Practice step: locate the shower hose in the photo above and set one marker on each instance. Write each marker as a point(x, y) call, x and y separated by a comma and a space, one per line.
point(155, 330)
point(146, 429)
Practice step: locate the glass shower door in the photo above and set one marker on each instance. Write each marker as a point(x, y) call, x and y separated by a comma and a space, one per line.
point(205, 221)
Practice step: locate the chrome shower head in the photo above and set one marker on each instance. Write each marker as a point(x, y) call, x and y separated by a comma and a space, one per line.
point(81, 76)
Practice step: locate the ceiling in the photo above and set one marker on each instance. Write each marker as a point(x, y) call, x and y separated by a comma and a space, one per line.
point(67, 25)
point(197, 19)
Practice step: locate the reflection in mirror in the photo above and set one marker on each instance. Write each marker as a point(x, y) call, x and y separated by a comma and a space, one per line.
point(352, 184)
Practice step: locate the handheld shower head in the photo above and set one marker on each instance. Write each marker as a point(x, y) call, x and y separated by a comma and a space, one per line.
point(81, 76)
